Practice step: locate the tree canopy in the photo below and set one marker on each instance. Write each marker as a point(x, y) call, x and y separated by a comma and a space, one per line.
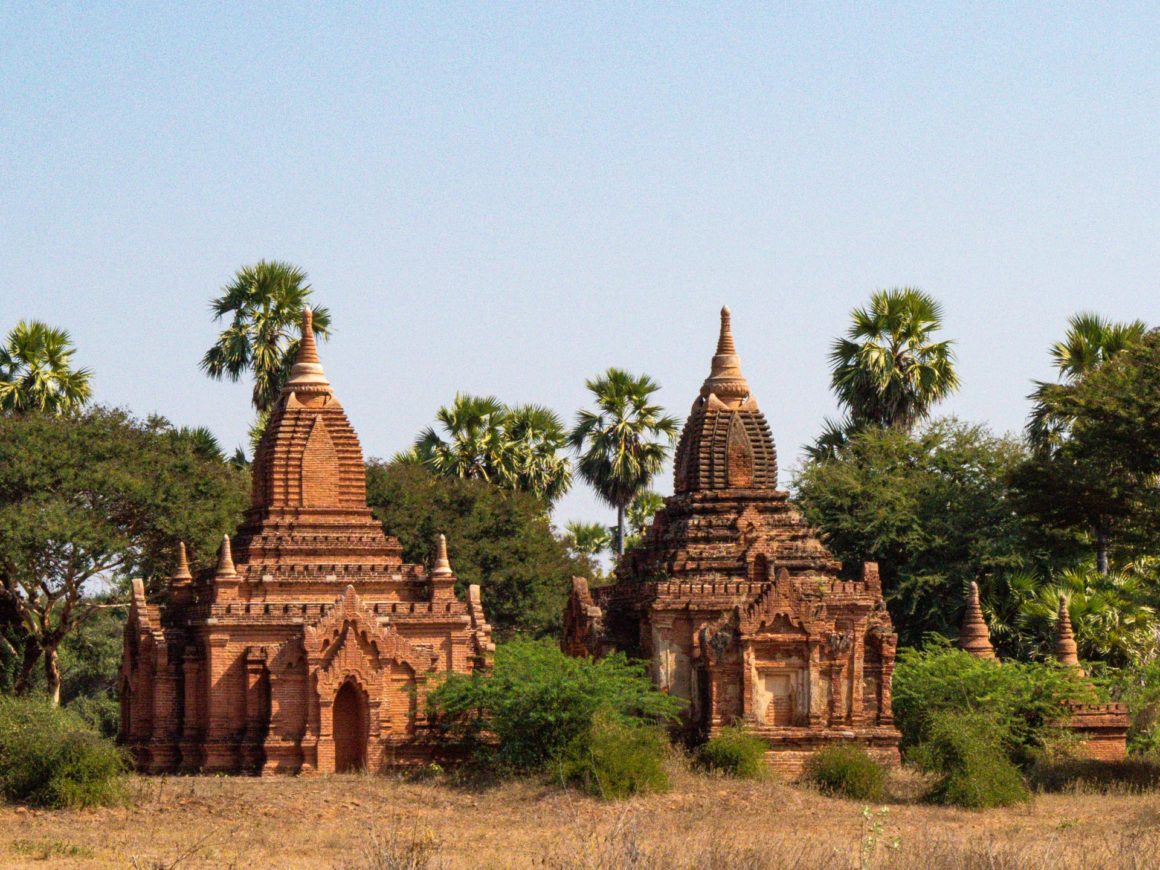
point(87, 501)
point(500, 539)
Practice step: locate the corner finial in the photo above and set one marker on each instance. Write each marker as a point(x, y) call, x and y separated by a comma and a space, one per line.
point(1066, 651)
point(182, 572)
point(974, 636)
point(225, 565)
point(307, 374)
point(442, 566)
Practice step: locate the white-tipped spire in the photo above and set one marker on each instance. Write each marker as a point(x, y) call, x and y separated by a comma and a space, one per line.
point(725, 380)
point(182, 575)
point(225, 565)
point(442, 566)
point(307, 374)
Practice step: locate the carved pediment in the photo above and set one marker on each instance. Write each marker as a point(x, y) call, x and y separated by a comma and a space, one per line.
point(351, 638)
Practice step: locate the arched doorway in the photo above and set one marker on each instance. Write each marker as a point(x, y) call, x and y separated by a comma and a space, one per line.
point(350, 729)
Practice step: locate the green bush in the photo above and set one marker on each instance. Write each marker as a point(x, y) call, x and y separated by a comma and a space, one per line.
point(1139, 688)
point(1132, 775)
point(846, 770)
point(734, 752)
point(524, 712)
point(1022, 699)
point(50, 757)
point(615, 758)
point(966, 751)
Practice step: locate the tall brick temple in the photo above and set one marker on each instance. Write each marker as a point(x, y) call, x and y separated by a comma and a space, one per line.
point(310, 646)
point(737, 605)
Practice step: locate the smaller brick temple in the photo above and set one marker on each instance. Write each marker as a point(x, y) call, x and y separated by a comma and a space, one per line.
point(736, 603)
point(1101, 728)
point(310, 646)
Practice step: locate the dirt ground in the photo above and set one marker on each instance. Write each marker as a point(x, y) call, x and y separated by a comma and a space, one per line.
point(388, 822)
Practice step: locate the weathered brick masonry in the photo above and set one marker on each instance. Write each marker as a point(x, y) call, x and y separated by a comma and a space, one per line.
point(738, 606)
point(311, 645)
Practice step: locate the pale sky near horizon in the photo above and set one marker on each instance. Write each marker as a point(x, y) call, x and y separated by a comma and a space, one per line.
point(509, 198)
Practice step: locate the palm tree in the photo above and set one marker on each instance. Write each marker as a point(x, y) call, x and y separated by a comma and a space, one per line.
point(264, 305)
point(888, 371)
point(587, 539)
point(1089, 343)
point(36, 371)
point(533, 459)
point(473, 446)
point(622, 444)
point(481, 438)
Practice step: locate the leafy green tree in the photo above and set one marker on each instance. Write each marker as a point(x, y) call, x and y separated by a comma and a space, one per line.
point(36, 372)
point(889, 371)
point(1089, 343)
point(623, 443)
point(87, 501)
point(263, 305)
point(588, 540)
point(1097, 458)
point(536, 701)
point(500, 539)
point(934, 510)
point(481, 438)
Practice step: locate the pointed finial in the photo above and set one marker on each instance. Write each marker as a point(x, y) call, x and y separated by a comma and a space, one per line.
point(442, 563)
point(725, 339)
point(1066, 652)
point(725, 379)
point(974, 636)
point(225, 565)
point(307, 374)
point(182, 572)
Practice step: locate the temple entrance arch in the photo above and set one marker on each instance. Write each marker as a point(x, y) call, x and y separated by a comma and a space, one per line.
point(350, 728)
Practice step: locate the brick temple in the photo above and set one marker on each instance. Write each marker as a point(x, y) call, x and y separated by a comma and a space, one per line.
point(736, 603)
point(309, 647)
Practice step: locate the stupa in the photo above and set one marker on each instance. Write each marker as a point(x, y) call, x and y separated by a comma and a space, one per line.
point(736, 603)
point(310, 646)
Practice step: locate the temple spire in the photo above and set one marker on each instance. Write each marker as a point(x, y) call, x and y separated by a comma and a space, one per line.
point(974, 636)
point(182, 572)
point(725, 380)
point(1066, 652)
point(225, 565)
point(307, 374)
point(442, 563)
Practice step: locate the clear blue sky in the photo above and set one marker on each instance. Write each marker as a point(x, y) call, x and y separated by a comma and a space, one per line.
point(508, 199)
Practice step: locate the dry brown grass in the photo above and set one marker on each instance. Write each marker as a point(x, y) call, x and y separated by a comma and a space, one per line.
point(386, 823)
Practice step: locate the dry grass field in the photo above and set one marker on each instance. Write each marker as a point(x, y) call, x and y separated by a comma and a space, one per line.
point(385, 822)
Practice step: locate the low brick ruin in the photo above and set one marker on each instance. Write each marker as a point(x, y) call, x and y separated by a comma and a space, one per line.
point(738, 606)
point(311, 645)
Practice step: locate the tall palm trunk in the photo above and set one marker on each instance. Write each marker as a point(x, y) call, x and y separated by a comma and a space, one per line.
point(1102, 549)
point(620, 530)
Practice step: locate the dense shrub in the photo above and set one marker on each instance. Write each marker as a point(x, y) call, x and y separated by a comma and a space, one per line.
point(846, 770)
point(1021, 699)
point(1139, 688)
point(734, 752)
point(965, 750)
point(617, 758)
point(524, 712)
point(1133, 774)
point(50, 757)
